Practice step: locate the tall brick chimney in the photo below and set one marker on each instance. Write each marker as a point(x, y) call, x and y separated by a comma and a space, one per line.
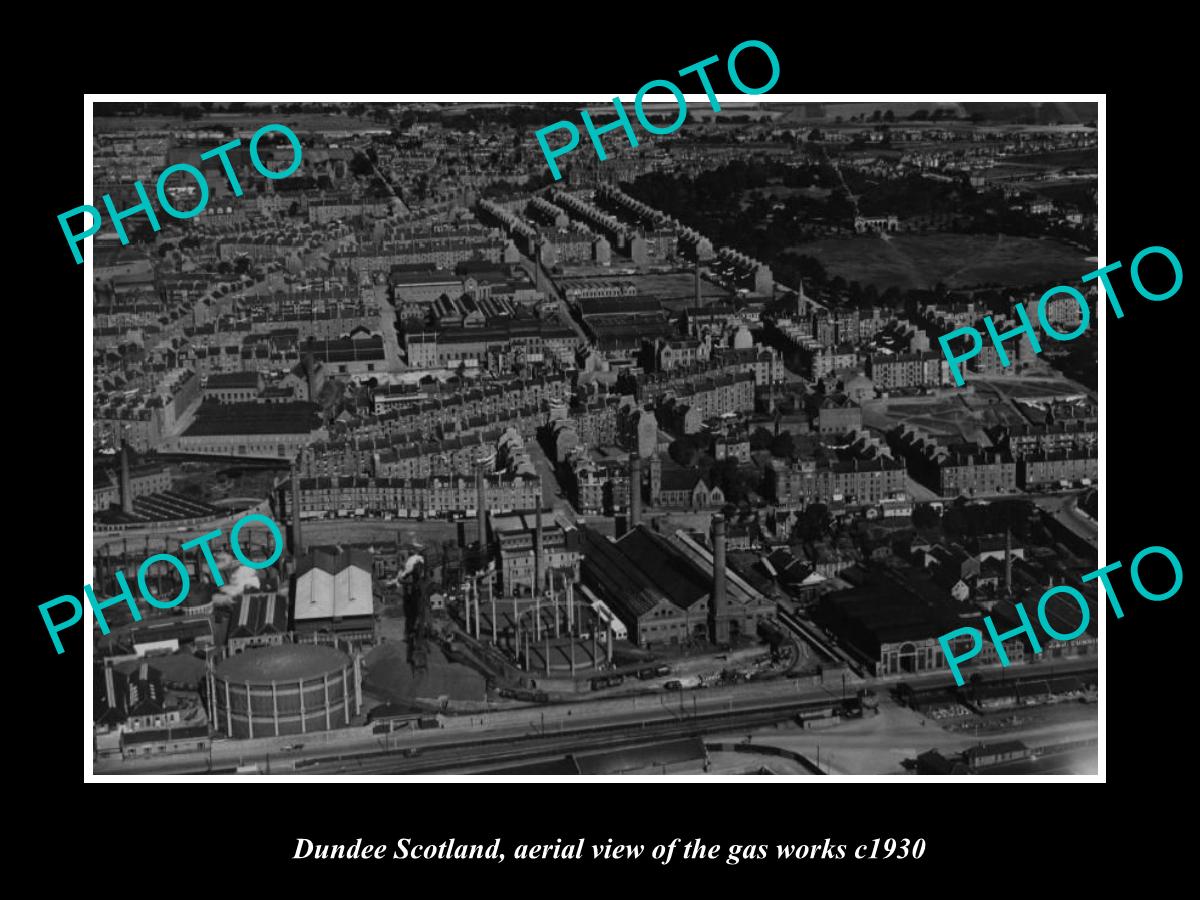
point(718, 622)
point(126, 490)
point(635, 491)
point(480, 507)
point(297, 538)
point(310, 372)
point(537, 546)
point(1008, 561)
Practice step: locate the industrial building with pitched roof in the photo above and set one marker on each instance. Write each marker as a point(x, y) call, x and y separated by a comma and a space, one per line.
point(333, 597)
point(668, 590)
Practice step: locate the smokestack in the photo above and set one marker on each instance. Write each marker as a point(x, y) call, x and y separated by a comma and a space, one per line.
point(635, 492)
point(310, 372)
point(110, 690)
point(297, 538)
point(716, 607)
point(480, 505)
point(126, 493)
point(537, 546)
point(1008, 561)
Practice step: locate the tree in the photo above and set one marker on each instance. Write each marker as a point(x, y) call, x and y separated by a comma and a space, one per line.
point(727, 475)
point(760, 439)
point(889, 116)
point(925, 516)
point(783, 445)
point(876, 116)
point(814, 522)
point(684, 451)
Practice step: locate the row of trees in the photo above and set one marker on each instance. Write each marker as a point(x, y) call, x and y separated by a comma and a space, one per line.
point(961, 519)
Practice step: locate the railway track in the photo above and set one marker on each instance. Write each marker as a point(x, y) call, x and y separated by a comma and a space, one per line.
point(472, 756)
point(835, 654)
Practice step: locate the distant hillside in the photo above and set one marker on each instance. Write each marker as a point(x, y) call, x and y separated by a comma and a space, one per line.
point(1034, 113)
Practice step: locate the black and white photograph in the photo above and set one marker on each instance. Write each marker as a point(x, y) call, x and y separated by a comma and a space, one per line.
point(688, 439)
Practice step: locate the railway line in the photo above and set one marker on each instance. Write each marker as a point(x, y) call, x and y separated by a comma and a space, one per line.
point(474, 757)
point(812, 636)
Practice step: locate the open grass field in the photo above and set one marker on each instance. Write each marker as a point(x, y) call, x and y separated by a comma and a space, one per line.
point(937, 415)
point(955, 418)
point(1074, 158)
point(957, 260)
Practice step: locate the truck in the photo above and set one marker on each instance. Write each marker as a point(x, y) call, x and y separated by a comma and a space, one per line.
point(600, 682)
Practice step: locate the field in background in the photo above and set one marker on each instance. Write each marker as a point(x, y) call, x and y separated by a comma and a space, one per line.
point(956, 260)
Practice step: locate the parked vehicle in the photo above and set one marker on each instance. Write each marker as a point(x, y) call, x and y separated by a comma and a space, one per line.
point(674, 685)
point(600, 682)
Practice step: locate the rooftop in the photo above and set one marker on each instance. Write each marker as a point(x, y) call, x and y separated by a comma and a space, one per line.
point(254, 418)
point(285, 662)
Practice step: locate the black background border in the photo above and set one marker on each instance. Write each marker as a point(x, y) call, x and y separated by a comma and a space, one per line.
point(1147, 444)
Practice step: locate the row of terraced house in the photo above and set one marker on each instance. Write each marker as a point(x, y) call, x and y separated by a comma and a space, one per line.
point(414, 497)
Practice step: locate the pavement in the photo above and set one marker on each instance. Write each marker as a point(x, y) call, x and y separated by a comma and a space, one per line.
point(1078, 521)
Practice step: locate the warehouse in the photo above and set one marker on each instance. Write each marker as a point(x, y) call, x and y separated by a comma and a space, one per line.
point(278, 430)
point(670, 591)
point(889, 627)
point(333, 600)
point(260, 619)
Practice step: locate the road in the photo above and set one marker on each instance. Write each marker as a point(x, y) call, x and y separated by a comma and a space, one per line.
point(606, 712)
point(402, 209)
point(1070, 515)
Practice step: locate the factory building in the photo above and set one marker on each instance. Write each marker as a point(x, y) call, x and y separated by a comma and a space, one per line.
point(288, 689)
point(891, 629)
point(518, 537)
point(123, 485)
point(233, 387)
point(279, 430)
point(260, 619)
point(333, 600)
point(669, 590)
